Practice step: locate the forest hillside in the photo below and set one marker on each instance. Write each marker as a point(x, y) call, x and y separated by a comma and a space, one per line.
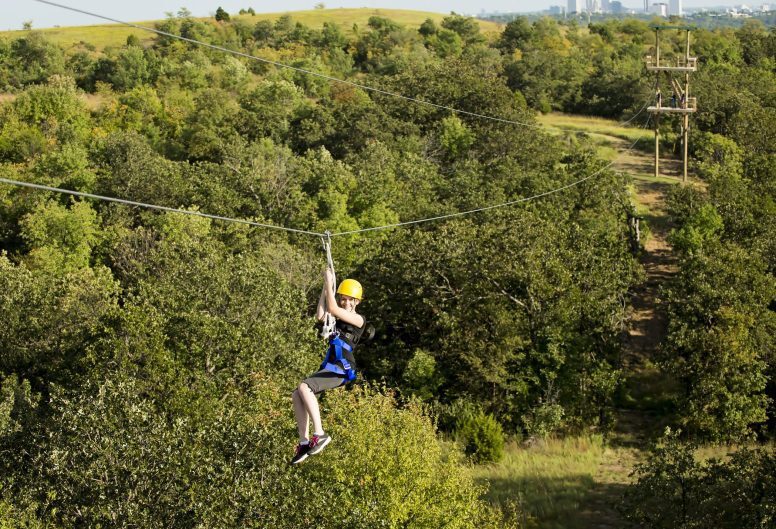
point(147, 357)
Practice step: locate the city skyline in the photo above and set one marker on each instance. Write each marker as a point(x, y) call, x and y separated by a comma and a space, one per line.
point(43, 15)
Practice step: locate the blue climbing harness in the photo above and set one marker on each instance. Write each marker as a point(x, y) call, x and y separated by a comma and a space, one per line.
point(335, 362)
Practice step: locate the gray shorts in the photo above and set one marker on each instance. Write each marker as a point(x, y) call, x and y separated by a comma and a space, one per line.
point(324, 380)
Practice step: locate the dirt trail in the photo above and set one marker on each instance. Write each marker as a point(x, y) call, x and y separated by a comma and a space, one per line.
point(647, 319)
point(647, 327)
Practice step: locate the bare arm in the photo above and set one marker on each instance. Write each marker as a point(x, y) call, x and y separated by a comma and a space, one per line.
point(320, 312)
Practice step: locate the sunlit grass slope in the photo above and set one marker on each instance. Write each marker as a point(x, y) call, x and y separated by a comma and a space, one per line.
point(554, 482)
point(594, 125)
point(105, 35)
point(98, 36)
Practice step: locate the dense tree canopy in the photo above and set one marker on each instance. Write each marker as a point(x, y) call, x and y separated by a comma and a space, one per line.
point(146, 357)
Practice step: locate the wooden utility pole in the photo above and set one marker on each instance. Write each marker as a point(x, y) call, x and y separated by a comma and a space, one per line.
point(680, 101)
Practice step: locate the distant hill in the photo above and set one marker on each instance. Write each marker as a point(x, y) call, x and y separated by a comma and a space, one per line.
point(105, 35)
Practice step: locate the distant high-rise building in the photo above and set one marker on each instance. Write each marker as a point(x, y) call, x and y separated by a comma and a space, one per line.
point(659, 9)
point(557, 10)
point(646, 6)
point(606, 6)
point(616, 7)
point(593, 6)
point(574, 6)
point(675, 7)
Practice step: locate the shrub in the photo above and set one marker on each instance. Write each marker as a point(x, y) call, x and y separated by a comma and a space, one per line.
point(421, 376)
point(544, 419)
point(405, 479)
point(480, 434)
point(12, 517)
point(674, 490)
point(482, 437)
point(218, 457)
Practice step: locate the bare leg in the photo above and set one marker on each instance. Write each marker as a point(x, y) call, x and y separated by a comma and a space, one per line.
point(311, 404)
point(302, 418)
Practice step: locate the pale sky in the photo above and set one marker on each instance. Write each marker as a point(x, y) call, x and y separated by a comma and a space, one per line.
point(15, 12)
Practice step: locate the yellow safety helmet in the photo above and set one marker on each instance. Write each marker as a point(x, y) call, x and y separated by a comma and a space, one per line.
point(352, 288)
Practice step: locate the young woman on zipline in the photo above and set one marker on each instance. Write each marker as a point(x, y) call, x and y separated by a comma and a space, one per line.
point(338, 367)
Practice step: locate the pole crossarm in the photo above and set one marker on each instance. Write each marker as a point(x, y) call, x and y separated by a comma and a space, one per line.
point(683, 28)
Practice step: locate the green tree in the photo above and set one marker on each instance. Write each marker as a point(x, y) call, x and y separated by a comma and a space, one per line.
point(131, 69)
point(428, 28)
point(211, 126)
point(60, 239)
point(445, 43)
point(466, 27)
point(267, 110)
point(129, 168)
point(50, 319)
point(32, 59)
point(221, 15)
point(516, 35)
point(674, 489)
point(455, 137)
point(699, 229)
point(716, 341)
point(55, 110)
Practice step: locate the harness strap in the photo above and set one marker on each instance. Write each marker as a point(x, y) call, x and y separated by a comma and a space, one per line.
point(335, 362)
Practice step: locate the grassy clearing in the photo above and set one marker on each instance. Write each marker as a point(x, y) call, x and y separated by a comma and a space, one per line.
point(577, 483)
point(105, 35)
point(593, 125)
point(571, 483)
point(557, 483)
point(99, 36)
point(650, 178)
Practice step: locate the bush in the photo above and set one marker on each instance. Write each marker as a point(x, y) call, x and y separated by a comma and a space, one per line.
point(113, 457)
point(482, 437)
point(675, 491)
point(480, 434)
point(544, 419)
point(420, 376)
point(12, 517)
point(405, 480)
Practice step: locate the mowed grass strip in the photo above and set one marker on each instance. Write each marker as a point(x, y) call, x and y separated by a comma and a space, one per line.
point(106, 35)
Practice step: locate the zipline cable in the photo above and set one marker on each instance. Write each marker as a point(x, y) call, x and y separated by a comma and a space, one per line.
point(153, 206)
point(494, 206)
point(289, 67)
point(326, 237)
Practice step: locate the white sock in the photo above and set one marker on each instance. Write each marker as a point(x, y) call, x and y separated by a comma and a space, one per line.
point(305, 442)
point(319, 434)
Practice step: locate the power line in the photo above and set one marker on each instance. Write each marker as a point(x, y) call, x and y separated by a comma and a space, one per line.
point(153, 206)
point(494, 206)
point(334, 79)
point(307, 232)
point(303, 70)
point(294, 68)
